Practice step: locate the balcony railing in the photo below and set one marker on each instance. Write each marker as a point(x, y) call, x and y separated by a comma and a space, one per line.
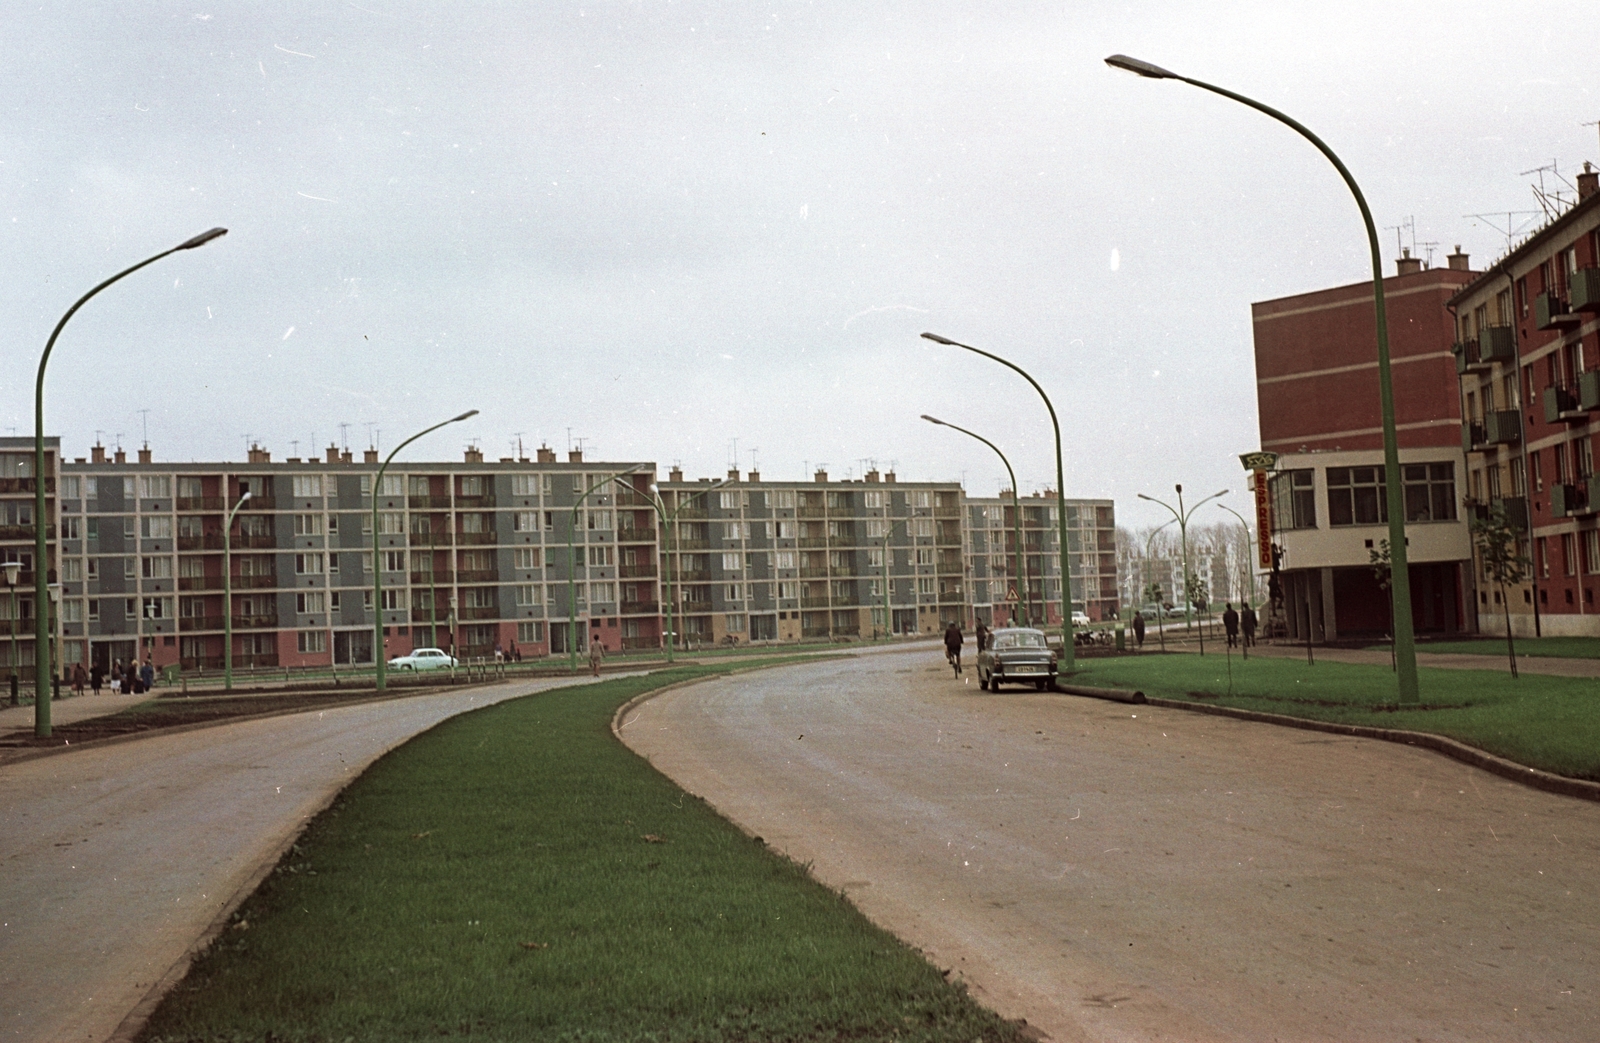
point(189, 623)
point(812, 542)
point(204, 503)
point(478, 612)
point(1552, 312)
point(25, 532)
point(1561, 404)
point(692, 576)
point(685, 543)
point(438, 578)
point(1571, 501)
point(430, 539)
point(258, 502)
point(428, 503)
point(209, 541)
point(1589, 390)
point(811, 512)
point(248, 582)
point(199, 582)
point(695, 607)
point(263, 622)
point(19, 485)
point(636, 534)
point(255, 541)
point(814, 602)
point(1467, 360)
point(636, 571)
point(474, 502)
point(641, 608)
point(476, 576)
point(428, 617)
point(1497, 344)
point(476, 538)
point(1584, 291)
point(813, 573)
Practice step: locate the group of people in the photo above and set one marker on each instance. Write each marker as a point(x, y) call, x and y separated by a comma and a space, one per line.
point(1234, 624)
point(133, 679)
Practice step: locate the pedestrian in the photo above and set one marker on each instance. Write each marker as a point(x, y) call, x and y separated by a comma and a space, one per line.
point(597, 652)
point(952, 645)
point(97, 677)
point(116, 677)
point(1138, 628)
point(1230, 624)
point(80, 677)
point(516, 653)
point(147, 675)
point(982, 636)
point(499, 653)
point(1247, 622)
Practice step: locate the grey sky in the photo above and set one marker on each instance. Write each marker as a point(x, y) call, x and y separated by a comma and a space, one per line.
point(667, 226)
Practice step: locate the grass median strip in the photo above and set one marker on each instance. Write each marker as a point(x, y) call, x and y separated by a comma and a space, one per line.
point(1543, 722)
point(1538, 647)
point(518, 874)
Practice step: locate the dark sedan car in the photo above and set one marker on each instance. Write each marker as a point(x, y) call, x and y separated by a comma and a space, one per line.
point(1017, 655)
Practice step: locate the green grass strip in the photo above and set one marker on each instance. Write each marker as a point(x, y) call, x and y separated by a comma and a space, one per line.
point(1550, 647)
point(517, 874)
point(1551, 723)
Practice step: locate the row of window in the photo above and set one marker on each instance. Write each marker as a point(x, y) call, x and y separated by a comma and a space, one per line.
point(1357, 495)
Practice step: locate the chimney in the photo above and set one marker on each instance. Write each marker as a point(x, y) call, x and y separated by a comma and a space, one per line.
point(474, 455)
point(507, 460)
point(733, 474)
point(675, 475)
point(347, 457)
point(1458, 260)
point(97, 453)
point(872, 477)
point(1407, 264)
point(292, 460)
point(333, 454)
point(821, 476)
point(755, 476)
point(889, 478)
point(79, 460)
point(144, 455)
point(574, 456)
point(369, 456)
point(259, 455)
point(119, 457)
point(1588, 182)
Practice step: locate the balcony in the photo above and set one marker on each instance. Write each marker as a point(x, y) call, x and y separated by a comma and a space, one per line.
point(811, 512)
point(209, 541)
point(1497, 344)
point(636, 571)
point(691, 576)
point(1514, 509)
point(426, 617)
point(438, 577)
point(641, 608)
point(258, 502)
point(695, 607)
point(684, 543)
point(255, 540)
point(464, 503)
point(636, 534)
point(1584, 291)
point(812, 542)
point(1502, 427)
point(255, 622)
point(250, 582)
point(25, 532)
point(1467, 360)
point(1471, 436)
point(478, 612)
point(428, 503)
point(199, 582)
point(19, 485)
point(1561, 405)
point(813, 573)
point(476, 576)
point(476, 538)
point(429, 539)
point(814, 602)
point(692, 514)
point(1571, 501)
point(203, 503)
point(1589, 389)
point(1551, 312)
point(950, 568)
point(190, 623)
point(632, 499)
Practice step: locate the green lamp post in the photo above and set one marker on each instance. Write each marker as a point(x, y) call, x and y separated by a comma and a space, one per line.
point(1400, 583)
point(572, 568)
point(380, 661)
point(1182, 516)
point(1016, 509)
point(1250, 579)
point(669, 521)
point(1067, 656)
point(227, 593)
point(43, 663)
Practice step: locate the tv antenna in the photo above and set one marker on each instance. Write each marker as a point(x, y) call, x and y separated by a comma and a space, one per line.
point(733, 454)
point(755, 461)
point(519, 435)
point(294, 444)
point(144, 426)
point(1508, 226)
point(344, 436)
point(1552, 202)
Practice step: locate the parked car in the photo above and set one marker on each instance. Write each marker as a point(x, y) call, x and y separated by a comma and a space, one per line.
point(424, 659)
point(1080, 619)
point(1017, 655)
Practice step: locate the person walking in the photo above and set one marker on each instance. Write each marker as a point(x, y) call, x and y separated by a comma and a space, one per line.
point(1138, 628)
point(597, 652)
point(97, 677)
point(982, 636)
point(116, 677)
point(952, 646)
point(80, 677)
point(1247, 622)
point(147, 675)
point(1230, 624)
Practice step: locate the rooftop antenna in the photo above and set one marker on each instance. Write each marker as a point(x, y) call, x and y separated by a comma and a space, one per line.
point(580, 440)
point(1512, 227)
point(1409, 225)
point(294, 444)
point(1592, 123)
point(247, 444)
point(371, 442)
point(99, 436)
point(755, 462)
point(144, 426)
point(733, 456)
point(344, 436)
point(519, 435)
point(1551, 201)
point(119, 441)
point(569, 439)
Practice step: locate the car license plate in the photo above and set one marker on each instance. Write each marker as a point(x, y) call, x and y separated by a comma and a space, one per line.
point(1026, 668)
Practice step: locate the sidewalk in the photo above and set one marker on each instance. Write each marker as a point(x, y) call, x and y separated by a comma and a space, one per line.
point(66, 710)
point(1545, 665)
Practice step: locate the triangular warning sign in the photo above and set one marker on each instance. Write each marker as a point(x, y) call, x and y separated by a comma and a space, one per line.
point(1011, 595)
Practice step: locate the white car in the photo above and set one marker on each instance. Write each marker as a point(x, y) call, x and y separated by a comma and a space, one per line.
point(1080, 619)
point(424, 659)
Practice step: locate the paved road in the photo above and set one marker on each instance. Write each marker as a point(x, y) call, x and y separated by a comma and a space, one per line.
point(114, 860)
point(1117, 872)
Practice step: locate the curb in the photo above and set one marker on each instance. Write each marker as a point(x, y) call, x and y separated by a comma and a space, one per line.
point(1453, 748)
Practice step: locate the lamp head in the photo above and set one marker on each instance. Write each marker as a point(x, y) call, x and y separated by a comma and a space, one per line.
point(1140, 68)
point(1142, 496)
point(655, 490)
point(934, 420)
point(1222, 493)
point(13, 568)
point(463, 416)
point(246, 496)
point(940, 340)
point(203, 238)
point(55, 592)
point(1179, 488)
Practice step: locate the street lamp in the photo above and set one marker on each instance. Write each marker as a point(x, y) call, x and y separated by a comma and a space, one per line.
point(12, 568)
point(572, 569)
point(1066, 658)
point(227, 593)
point(1182, 517)
point(1160, 614)
point(1250, 579)
point(1400, 582)
point(41, 705)
point(379, 660)
point(670, 523)
point(1016, 507)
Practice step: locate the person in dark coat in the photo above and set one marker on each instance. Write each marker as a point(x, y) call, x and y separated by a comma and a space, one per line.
point(116, 677)
point(80, 677)
point(1230, 624)
point(1247, 622)
point(147, 676)
point(952, 645)
point(97, 677)
point(1138, 628)
point(982, 636)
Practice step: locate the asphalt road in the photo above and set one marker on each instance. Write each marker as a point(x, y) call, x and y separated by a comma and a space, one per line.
point(116, 859)
point(1115, 872)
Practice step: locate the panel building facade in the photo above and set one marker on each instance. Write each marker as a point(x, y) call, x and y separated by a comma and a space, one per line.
point(999, 584)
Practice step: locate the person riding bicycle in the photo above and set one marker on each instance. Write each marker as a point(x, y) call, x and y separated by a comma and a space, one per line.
point(952, 646)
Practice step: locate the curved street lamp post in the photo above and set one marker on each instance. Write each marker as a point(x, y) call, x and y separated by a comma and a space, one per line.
point(1016, 510)
point(380, 660)
point(1182, 516)
point(1067, 657)
point(572, 567)
point(227, 593)
point(43, 661)
point(669, 521)
point(1249, 574)
point(1400, 582)
point(1160, 627)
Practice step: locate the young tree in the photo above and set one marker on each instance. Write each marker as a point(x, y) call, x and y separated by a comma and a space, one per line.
point(1503, 562)
point(1379, 559)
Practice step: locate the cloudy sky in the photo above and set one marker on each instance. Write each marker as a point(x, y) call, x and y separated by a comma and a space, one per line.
point(669, 228)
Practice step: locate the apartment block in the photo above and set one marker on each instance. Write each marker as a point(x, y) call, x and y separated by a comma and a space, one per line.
point(1528, 360)
point(18, 536)
point(1007, 591)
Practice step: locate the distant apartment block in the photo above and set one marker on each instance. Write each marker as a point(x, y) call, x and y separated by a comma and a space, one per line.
point(998, 580)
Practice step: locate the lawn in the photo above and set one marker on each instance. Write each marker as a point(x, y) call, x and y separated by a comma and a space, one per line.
point(1544, 722)
point(517, 874)
point(1558, 647)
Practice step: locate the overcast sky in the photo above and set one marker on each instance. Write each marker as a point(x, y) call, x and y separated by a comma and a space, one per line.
point(665, 227)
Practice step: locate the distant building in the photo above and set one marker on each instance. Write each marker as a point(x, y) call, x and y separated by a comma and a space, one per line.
point(1528, 357)
point(998, 582)
point(1317, 391)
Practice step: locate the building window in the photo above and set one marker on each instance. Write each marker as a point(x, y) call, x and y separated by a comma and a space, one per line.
point(309, 601)
point(1294, 499)
point(736, 622)
point(922, 527)
point(307, 485)
point(530, 633)
point(925, 586)
point(157, 568)
point(601, 556)
point(391, 600)
point(155, 487)
point(156, 527)
point(526, 521)
point(788, 591)
point(599, 519)
point(308, 525)
point(732, 593)
point(730, 563)
point(602, 593)
point(924, 555)
point(1591, 552)
point(312, 641)
point(529, 595)
point(1430, 491)
point(1569, 553)
point(525, 558)
point(783, 498)
point(785, 559)
point(392, 485)
point(393, 560)
point(308, 564)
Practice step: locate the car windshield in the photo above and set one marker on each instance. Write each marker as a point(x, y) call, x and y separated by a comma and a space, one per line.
point(1026, 639)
